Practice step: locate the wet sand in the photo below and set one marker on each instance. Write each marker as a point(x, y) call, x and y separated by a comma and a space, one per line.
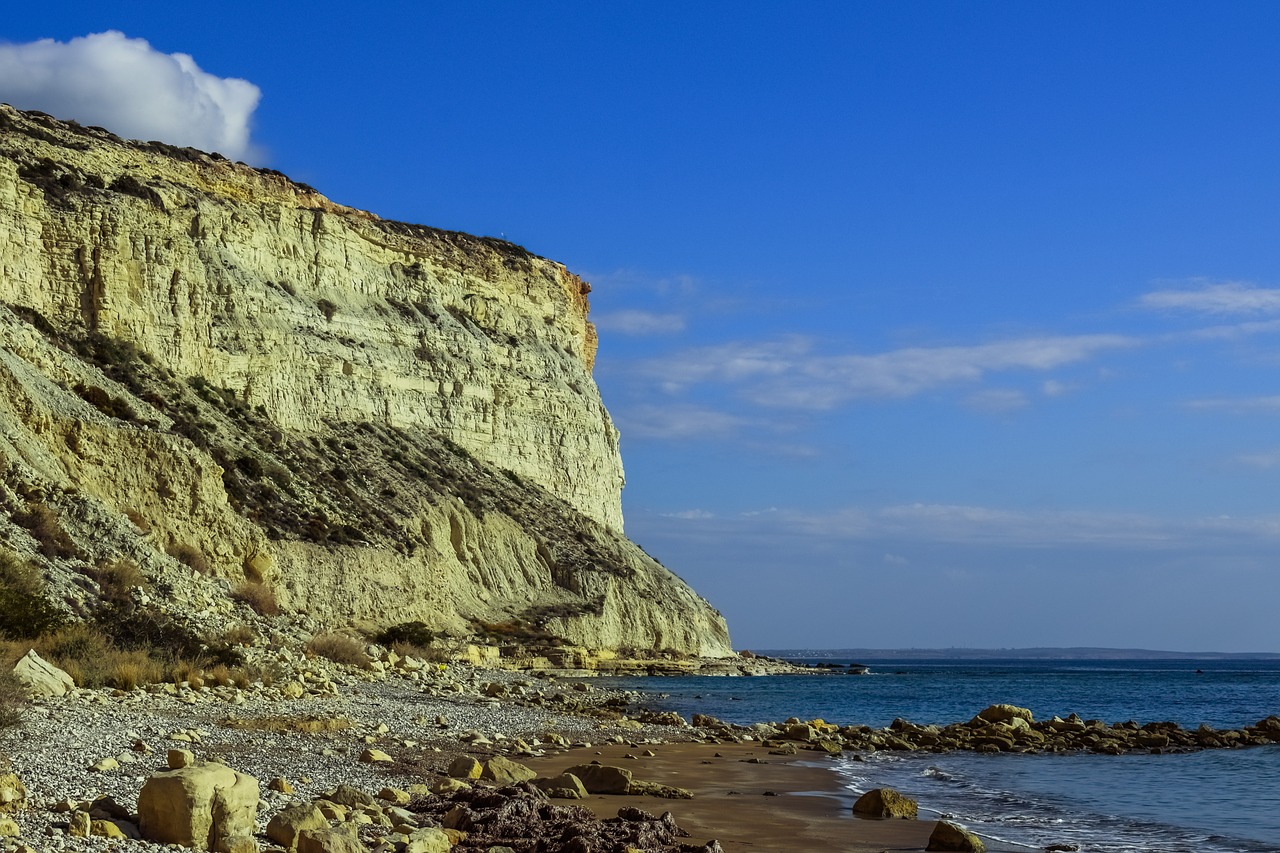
point(809, 812)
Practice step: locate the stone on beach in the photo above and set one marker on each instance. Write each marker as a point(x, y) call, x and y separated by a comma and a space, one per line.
point(465, 767)
point(290, 821)
point(504, 771)
point(602, 778)
point(885, 803)
point(566, 786)
point(40, 678)
point(13, 794)
point(948, 836)
point(204, 807)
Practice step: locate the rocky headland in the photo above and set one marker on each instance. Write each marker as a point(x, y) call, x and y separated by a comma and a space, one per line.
point(260, 399)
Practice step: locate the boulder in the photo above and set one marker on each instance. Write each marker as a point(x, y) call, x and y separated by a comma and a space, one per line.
point(449, 787)
point(350, 796)
point(286, 824)
point(328, 841)
point(204, 807)
point(504, 771)
point(948, 836)
point(428, 840)
point(566, 786)
point(13, 794)
point(885, 803)
point(9, 828)
point(654, 789)
point(41, 678)
point(602, 778)
point(1001, 714)
point(465, 767)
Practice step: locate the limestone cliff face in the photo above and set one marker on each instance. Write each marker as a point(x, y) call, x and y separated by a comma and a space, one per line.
point(384, 422)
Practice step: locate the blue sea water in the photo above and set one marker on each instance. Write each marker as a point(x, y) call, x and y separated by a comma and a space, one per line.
point(1217, 801)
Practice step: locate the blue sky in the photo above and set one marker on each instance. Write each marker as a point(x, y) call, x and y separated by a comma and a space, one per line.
point(925, 324)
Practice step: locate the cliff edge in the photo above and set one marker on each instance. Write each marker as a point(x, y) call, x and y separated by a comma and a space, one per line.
point(221, 376)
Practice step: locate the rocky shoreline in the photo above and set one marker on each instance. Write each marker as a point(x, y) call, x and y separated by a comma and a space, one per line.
point(413, 756)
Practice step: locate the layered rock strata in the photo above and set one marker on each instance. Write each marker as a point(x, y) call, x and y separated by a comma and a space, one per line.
point(378, 422)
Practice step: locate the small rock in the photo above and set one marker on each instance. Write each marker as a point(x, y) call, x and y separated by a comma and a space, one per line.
point(885, 803)
point(179, 758)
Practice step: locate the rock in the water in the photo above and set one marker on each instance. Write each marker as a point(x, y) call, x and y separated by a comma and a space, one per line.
point(504, 771)
point(602, 778)
point(1002, 714)
point(948, 836)
point(204, 807)
point(41, 678)
point(885, 803)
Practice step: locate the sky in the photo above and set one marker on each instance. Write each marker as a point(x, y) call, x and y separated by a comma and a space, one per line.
point(926, 324)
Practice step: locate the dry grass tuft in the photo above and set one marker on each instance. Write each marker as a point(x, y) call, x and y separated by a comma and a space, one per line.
point(190, 555)
point(258, 596)
point(339, 648)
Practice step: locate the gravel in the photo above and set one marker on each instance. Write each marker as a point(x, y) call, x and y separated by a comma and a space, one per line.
point(422, 719)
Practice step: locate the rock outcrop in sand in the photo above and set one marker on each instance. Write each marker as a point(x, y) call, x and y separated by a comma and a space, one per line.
point(224, 378)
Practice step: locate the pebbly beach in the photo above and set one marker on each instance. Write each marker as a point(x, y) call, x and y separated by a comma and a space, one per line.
point(468, 759)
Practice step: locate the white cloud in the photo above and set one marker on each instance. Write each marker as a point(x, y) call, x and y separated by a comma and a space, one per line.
point(675, 422)
point(132, 89)
point(639, 323)
point(689, 515)
point(1240, 405)
point(1055, 388)
point(1227, 298)
point(787, 373)
point(1265, 459)
point(896, 560)
point(997, 400)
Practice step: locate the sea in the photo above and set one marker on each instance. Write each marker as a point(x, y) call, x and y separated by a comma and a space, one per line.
point(1214, 801)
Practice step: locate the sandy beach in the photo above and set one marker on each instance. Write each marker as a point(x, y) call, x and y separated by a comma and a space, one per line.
point(804, 809)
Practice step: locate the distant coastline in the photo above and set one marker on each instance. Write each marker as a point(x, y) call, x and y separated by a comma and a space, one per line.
point(1074, 653)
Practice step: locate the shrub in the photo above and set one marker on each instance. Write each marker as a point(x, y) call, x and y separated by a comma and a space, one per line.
point(25, 610)
point(138, 520)
point(258, 596)
point(190, 555)
point(406, 633)
point(339, 648)
point(240, 635)
point(45, 527)
point(13, 700)
point(327, 308)
point(117, 581)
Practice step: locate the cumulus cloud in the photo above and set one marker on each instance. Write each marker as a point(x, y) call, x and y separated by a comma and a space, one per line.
point(132, 89)
point(1231, 297)
point(788, 373)
point(639, 323)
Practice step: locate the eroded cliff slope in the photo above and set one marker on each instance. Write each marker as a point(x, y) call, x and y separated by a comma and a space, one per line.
point(379, 422)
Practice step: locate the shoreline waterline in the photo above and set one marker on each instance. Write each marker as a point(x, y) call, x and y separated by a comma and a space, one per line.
point(1213, 800)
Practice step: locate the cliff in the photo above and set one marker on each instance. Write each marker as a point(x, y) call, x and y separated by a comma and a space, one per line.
point(205, 365)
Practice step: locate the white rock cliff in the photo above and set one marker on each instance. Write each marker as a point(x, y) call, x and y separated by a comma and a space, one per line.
point(381, 422)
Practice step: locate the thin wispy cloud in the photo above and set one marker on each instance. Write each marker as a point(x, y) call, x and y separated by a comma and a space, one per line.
point(676, 422)
point(789, 373)
point(1241, 405)
point(997, 400)
point(924, 523)
point(1224, 298)
point(1264, 460)
point(639, 323)
point(132, 89)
